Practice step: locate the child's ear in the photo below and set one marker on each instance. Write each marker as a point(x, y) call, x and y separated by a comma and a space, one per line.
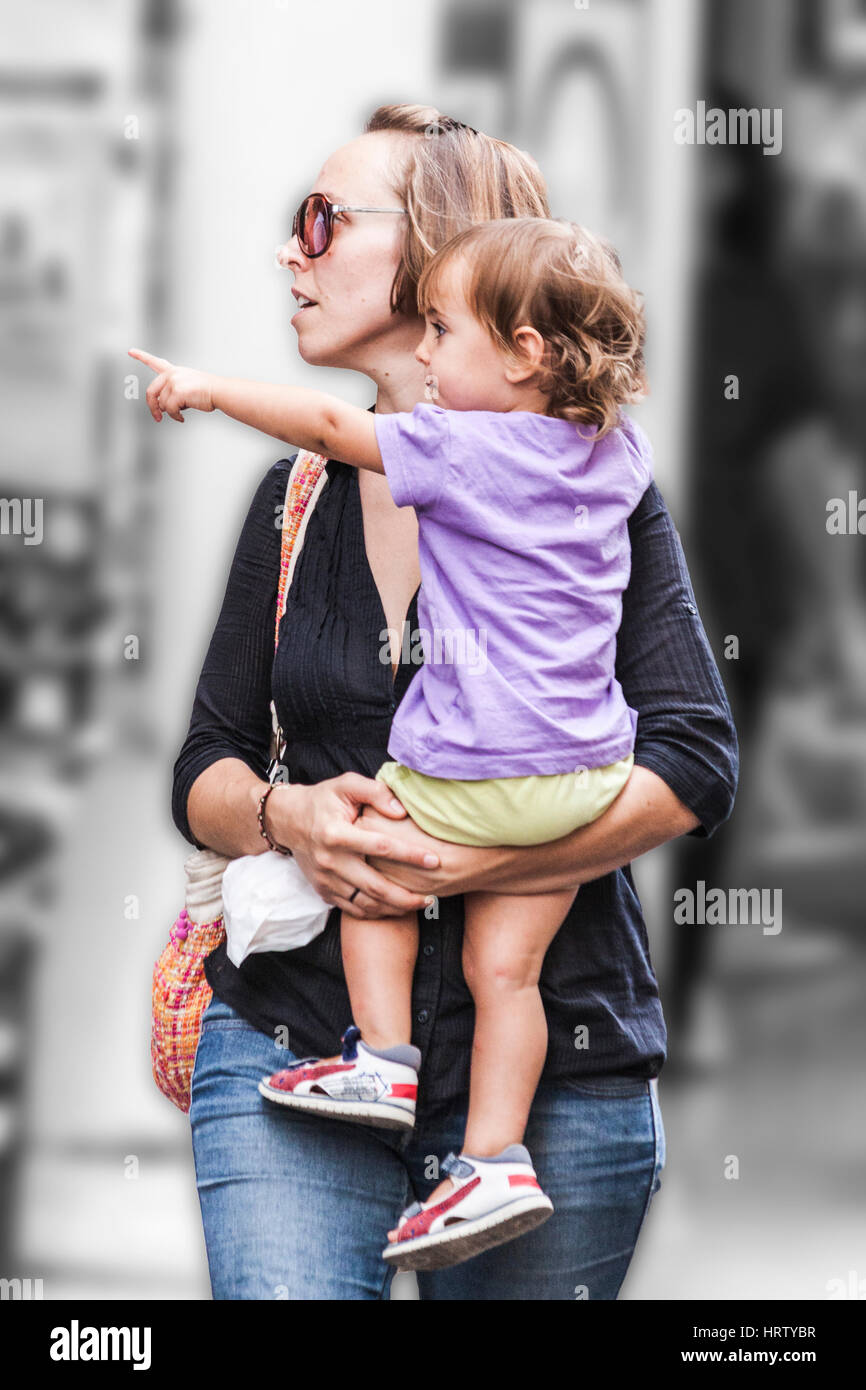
point(528, 354)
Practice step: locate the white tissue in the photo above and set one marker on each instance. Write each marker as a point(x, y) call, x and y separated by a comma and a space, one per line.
point(269, 905)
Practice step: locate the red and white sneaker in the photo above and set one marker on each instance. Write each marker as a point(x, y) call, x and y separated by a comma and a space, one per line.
point(492, 1200)
point(371, 1088)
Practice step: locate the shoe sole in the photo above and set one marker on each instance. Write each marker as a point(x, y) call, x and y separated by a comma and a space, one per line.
point(375, 1113)
point(468, 1238)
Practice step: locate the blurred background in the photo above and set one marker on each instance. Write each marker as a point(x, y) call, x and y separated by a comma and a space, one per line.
point(151, 153)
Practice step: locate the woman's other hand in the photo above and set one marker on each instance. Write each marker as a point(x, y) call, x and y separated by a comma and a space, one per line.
point(646, 813)
point(175, 388)
point(325, 828)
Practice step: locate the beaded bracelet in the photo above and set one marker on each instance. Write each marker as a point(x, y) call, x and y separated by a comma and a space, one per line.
point(272, 844)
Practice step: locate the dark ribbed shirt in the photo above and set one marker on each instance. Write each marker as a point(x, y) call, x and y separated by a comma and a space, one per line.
point(335, 699)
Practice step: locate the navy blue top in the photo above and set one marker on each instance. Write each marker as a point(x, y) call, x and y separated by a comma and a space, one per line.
point(335, 699)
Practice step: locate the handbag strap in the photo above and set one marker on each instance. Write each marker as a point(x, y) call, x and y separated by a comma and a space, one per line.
point(306, 480)
point(306, 477)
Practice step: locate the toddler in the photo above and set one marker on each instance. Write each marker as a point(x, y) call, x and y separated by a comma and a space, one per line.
point(523, 472)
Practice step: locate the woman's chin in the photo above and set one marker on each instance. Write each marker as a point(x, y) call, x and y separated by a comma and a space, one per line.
point(309, 351)
point(320, 352)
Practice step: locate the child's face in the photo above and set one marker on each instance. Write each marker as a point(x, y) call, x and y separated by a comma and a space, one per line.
point(465, 369)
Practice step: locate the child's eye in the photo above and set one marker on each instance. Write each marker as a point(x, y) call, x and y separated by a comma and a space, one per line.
point(439, 328)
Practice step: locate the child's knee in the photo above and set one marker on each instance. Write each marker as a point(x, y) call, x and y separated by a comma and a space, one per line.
point(494, 971)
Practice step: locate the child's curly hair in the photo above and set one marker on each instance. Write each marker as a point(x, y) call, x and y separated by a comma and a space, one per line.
point(567, 284)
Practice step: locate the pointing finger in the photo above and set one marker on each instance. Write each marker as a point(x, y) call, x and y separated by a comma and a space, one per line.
point(156, 364)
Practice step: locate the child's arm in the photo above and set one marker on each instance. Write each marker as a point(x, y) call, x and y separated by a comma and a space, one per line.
point(311, 419)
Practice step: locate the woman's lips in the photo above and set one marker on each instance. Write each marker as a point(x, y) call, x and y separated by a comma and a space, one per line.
point(301, 313)
point(304, 303)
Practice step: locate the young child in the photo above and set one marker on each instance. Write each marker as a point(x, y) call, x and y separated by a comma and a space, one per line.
point(523, 472)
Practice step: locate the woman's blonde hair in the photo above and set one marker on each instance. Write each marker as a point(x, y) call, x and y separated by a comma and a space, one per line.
point(449, 177)
point(566, 283)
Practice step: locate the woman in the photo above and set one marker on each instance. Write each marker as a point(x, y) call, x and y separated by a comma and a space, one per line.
point(295, 1206)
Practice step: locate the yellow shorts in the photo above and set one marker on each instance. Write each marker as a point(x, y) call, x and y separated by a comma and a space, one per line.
point(506, 810)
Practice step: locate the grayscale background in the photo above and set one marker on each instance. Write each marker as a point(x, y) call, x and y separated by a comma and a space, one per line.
point(151, 153)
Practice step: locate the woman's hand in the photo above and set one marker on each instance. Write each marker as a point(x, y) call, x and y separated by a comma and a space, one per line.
point(644, 815)
point(175, 388)
point(321, 824)
point(461, 868)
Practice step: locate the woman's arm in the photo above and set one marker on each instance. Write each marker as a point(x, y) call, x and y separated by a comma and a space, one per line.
point(644, 815)
point(308, 419)
point(686, 760)
point(229, 730)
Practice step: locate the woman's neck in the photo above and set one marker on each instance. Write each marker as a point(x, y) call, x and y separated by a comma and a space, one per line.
point(394, 371)
point(399, 387)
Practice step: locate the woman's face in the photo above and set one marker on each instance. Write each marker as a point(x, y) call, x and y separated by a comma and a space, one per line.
point(349, 322)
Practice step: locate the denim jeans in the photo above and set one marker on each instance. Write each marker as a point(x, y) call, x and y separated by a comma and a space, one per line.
point(296, 1206)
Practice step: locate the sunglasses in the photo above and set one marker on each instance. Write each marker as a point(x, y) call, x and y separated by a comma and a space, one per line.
point(313, 223)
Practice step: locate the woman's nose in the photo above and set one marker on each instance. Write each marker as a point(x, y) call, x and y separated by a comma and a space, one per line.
point(288, 254)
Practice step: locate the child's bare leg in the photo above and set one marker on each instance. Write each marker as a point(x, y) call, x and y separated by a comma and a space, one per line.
point(379, 960)
point(505, 941)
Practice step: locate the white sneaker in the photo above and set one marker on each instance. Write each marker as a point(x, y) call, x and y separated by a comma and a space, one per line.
point(372, 1088)
point(492, 1200)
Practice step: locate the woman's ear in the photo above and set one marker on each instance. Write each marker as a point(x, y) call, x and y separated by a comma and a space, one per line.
point(527, 356)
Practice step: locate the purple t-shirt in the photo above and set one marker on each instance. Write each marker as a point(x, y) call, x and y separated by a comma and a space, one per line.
point(524, 555)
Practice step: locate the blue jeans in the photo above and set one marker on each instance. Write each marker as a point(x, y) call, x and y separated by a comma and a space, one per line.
point(297, 1207)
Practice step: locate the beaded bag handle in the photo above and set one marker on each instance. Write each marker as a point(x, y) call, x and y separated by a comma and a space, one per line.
point(306, 480)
